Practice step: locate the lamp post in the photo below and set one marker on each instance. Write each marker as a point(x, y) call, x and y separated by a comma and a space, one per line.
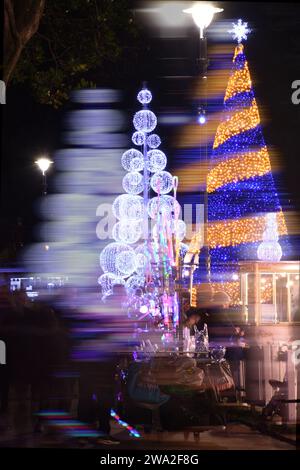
point(203, 14)
point(44, 165)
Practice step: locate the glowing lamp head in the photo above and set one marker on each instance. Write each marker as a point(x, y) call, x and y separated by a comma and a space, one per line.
point(202, 13)
point(43, 164)
point(201, 119)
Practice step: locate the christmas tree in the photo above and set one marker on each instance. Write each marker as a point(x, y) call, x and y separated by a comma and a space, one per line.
point(240, 185)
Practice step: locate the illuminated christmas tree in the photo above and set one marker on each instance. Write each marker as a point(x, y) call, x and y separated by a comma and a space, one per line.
point(240, 185)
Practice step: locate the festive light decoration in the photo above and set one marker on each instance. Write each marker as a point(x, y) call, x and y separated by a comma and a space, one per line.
point(125, 262)
point(149, 267)
point(162, 182)
point(157, 161)
point(127, 206)
point(133, 432)
point(108, 258)
point(239, 168)
point(145, 121)
point(235, 232)
point(269, 249)
point(167, 205)
point(153, 141)
point(138, 138)
point(127, 231)
point(240, 122)
point(133, 182)
point(240, 184)
point(144, 96)
point(240, 31)
point(132, 160)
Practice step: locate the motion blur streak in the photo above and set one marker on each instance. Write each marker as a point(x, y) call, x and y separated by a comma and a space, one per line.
point(87, 176)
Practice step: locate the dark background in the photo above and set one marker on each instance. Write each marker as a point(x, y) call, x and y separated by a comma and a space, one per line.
point(273, 51)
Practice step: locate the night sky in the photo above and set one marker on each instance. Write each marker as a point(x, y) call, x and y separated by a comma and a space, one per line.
point(273, 52)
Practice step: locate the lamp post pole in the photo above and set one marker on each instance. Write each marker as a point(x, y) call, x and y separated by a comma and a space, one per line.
point(203, 13)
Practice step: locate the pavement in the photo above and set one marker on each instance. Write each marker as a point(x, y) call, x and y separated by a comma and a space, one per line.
point(234, 437)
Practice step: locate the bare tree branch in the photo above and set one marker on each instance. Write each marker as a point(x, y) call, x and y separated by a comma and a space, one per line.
point(21, 21)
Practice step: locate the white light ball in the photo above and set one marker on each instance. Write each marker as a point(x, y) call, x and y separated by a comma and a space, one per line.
point(141, 263)
point(107, 281)
point(153, 141)
point(127, 206)
point(167, 205)
point(162, 182)
point(138, 138)
point(269, 251)
point(109, 255)
point(125, 262)
point(144, 96)
point(127, 231)
point(134, 282)
point(145, 121)
point(157, 161)
point(132, 160)
point(133, 182)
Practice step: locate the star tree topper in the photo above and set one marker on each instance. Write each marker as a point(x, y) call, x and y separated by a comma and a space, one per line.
point(240, 31)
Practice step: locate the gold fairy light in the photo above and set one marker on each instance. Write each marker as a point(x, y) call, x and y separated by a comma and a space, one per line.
point(246, 230)
point(240, 122)
point(239, 168)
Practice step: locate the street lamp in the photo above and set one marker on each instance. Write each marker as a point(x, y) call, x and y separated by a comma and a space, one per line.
point(44, 165)
point(203, 13)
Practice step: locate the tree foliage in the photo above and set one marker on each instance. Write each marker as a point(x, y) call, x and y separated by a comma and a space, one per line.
point(80, 43)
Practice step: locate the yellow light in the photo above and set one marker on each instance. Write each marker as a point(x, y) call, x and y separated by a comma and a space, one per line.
point(231, 288)
point(239, 168)
point(246, 230)
point(239, 82)
point(240, 122)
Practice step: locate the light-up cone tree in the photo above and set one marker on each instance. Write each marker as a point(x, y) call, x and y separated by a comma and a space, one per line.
point(148, 232)
point(240, 185)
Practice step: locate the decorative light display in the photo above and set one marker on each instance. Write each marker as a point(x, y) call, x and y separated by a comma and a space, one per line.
point(127, 231)
point(128, 206)
point(153, 141)
point(178, 228)
point(145, 121)
point(269, 249)
point(144, 96)
point(138, 138)
point(107, 282)
point(240, 184)
point(125, 262)
point(132, 160)
point(133, 432)
point(162, 182)
point(240, 122)
point(134, 282)
point(157, 161)
point(108, 258)
point(240, 31)
point(148, 268)
point(166, 205)
point(240, 231)
point(242, 167)
point(133, 182)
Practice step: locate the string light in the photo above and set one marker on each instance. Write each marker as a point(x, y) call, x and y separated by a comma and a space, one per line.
point(236, 232)
point(238, 123)
point(240, 184)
